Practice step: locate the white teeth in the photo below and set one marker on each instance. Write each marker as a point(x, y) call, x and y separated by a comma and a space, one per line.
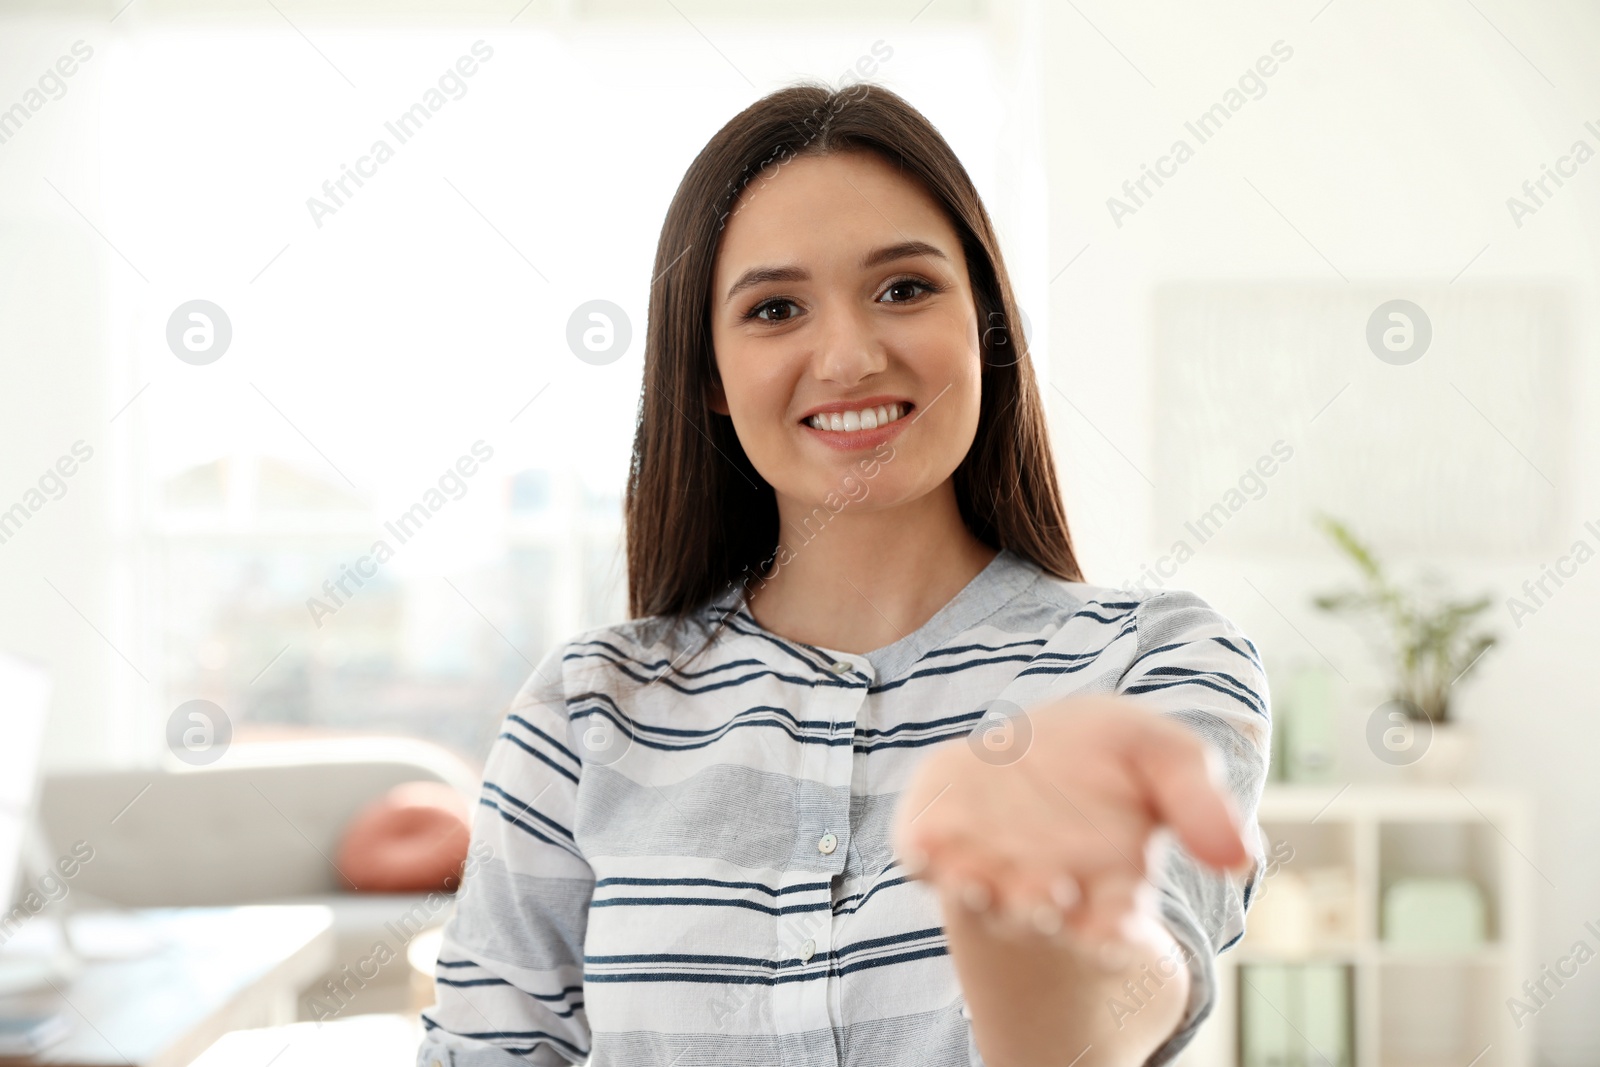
point(851, 421)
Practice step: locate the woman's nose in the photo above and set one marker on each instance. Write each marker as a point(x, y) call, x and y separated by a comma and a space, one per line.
point(848, 348)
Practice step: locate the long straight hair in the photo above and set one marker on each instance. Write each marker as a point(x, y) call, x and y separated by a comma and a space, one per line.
point(698, 514)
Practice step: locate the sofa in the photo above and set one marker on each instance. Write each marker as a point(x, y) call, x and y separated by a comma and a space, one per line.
point(261, 825)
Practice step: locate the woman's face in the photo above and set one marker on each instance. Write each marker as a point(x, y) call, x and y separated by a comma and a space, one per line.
point(846, 334)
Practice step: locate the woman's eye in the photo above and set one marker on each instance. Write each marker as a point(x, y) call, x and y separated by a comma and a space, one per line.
point(906, 285)
point(759, 311)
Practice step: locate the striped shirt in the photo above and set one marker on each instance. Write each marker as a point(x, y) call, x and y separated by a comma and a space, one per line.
point(693, 866)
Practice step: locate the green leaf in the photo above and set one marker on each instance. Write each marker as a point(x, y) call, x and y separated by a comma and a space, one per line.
point(1352, 546)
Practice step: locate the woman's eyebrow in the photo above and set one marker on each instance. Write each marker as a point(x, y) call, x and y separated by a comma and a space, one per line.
point(761, 275)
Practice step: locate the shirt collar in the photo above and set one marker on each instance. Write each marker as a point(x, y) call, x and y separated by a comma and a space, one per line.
point(1000, 582)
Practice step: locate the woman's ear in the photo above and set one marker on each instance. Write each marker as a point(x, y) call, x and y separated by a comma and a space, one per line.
point(717, 398)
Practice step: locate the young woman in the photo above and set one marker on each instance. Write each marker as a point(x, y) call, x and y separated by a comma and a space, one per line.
point(872, 776)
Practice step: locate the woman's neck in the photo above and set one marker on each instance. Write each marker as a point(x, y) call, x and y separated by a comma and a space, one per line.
point(859, 580)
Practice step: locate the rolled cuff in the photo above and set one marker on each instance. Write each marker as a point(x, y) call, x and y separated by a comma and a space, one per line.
point(1200, 957)
point(441, 1050)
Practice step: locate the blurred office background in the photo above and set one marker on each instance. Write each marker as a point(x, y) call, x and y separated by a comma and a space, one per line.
point(1209, 338)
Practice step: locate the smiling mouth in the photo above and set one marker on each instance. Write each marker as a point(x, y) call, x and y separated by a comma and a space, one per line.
point(870, 418)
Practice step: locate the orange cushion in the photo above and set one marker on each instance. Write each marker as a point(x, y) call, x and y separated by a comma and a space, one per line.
point(413, 839)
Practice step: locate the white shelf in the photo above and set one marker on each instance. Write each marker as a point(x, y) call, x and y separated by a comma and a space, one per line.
point(1492, 955)
point(1411, 1007)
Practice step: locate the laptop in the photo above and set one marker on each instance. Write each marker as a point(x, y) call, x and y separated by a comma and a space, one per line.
point(24, 707)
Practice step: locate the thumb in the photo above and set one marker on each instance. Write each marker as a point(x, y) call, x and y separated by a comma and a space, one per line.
point(1183, 781)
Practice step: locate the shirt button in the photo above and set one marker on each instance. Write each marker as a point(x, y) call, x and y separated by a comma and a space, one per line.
point(808, 950)
point(841, 666)
point(827, 843)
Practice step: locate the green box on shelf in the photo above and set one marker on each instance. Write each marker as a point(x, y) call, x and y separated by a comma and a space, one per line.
point(1310, 726)
point(1433, 913)
point(1294, 1015)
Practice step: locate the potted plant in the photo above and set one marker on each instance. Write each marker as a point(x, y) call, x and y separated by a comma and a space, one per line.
point(1432, 643)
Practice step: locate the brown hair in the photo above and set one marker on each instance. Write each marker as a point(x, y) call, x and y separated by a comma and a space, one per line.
point(698, 515)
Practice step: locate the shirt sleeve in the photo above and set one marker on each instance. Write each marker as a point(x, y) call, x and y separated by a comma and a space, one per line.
point(509, 981)
point(1193, 664)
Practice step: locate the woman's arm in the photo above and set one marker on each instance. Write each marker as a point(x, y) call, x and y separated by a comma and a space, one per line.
point(1182, 744)
point(1039, 1003)
point(1074, 821)
point(509, 981)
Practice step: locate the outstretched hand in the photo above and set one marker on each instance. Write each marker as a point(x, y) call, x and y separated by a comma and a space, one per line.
point(1053, 834)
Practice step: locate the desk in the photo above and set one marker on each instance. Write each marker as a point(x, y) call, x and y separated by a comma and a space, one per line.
point(361, 1040)
point(220, 969)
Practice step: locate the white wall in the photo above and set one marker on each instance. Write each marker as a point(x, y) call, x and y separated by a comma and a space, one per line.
point(56, 571)
point(1390, 140)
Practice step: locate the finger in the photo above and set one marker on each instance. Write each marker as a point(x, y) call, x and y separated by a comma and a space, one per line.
point(1108, 903)
point(1027, 912)
point(1030, 920)
point(971, 891)
point(975, 894)
point(1038, 902)
point(1180, 773)
point(1065, 893)
point(993, 896)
